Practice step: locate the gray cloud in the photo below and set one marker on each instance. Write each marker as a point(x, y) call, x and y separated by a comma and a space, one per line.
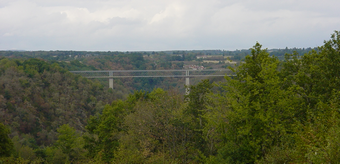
point(164, 25)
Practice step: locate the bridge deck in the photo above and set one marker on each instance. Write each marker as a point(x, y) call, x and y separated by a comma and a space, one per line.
point(175, 70)
point(174, 76)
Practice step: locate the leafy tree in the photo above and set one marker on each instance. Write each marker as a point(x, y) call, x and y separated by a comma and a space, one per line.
point(315, 75)
point(154, 132)
point(55, 155)
point(103, 132)
point(66, 138)
point(6, 144)
point(69, 142)
point(104, 129)
point(260, 114)
point(197, 101)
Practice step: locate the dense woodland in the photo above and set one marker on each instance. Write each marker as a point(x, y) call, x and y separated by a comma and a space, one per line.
point(273, 111)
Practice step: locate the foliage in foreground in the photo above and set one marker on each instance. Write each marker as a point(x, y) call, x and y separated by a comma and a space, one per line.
point(282, 112)
point(271, 112)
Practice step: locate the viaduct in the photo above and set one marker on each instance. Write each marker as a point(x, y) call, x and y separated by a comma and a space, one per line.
point(187, 74)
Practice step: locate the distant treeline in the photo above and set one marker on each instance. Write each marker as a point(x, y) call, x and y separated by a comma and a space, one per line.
point(188, 55)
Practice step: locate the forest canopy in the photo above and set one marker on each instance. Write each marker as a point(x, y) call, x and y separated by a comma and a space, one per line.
point(273, 111)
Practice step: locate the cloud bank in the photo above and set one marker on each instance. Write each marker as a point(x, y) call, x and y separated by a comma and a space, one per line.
point(130, 25)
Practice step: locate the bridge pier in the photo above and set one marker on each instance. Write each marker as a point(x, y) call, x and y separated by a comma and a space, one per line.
point(187, 81)
point(111, 80)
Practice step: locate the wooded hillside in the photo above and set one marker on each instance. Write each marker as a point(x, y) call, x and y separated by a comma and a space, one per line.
point(37, 97)
point(273, 111)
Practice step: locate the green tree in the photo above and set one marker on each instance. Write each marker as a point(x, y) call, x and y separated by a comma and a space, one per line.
point(315, 76)
point(55, 155)
point(6, 144)
point(70, 143)
point(155, 132)
point(197, 102)
point(104, 130)
point(66, 138)
point(260, 113)
point(102, 140)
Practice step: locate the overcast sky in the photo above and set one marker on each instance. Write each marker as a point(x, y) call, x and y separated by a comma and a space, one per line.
point(132, 25)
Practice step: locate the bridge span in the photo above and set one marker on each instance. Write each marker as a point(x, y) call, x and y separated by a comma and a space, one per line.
point(187, 74)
